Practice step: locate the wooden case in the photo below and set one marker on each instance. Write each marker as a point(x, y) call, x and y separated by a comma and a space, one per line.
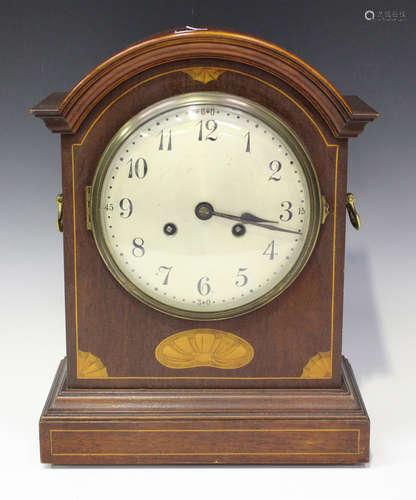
point(296, 338)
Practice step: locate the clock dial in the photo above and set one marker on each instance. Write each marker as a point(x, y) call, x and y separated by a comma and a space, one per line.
point(205, 206)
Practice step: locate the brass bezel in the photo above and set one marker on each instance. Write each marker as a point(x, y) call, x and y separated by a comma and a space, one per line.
point(195, 99)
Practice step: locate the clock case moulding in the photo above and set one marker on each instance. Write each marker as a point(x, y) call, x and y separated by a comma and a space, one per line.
point(316, 416)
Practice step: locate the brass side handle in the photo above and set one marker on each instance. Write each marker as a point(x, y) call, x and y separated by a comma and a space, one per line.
point(352, 211)
point(324, 209)
point(60, 218)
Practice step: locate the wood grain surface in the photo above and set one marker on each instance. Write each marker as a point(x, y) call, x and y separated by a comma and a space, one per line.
point(83, 426)
point(285, 334)
point(181, 46)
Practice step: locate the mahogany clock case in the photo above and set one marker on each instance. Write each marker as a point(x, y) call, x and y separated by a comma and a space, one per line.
point(124, 333)
point(303, 325)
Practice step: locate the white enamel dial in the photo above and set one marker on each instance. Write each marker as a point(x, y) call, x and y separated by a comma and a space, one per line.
point(205, 206)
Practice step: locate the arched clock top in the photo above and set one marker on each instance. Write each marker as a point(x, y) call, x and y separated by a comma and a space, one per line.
point(64, 113)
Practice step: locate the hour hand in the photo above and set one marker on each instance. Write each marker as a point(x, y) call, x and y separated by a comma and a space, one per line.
point(252, 218)
point(205, 210)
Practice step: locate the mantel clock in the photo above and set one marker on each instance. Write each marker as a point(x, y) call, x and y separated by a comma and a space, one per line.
point(203, 217)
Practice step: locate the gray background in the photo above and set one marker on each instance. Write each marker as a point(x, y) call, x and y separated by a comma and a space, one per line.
point(49, 46)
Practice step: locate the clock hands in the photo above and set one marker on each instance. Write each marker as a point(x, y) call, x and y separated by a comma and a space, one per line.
point(205, 211)
point(246, 216)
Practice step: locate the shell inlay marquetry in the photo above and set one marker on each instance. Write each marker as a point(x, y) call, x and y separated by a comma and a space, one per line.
point(319, 366)
point(204, 347)
point(90, 366)
point(204, 75)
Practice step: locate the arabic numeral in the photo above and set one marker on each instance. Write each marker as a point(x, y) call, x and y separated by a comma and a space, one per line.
point(270, 250)
point(167, 270)
point(207, 111)
point(138, 249)
point(203, 286)
point(286, 205)
point(162, 137)
point(211, 126)
point(242, 279)
point(248, 148)
point(275, 166)
point(126, 207)
point(137, 168)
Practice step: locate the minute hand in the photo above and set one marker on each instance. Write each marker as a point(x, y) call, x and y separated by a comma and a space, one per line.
point(255, 221)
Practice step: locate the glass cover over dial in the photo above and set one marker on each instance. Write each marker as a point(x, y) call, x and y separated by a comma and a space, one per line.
point(205, 206)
